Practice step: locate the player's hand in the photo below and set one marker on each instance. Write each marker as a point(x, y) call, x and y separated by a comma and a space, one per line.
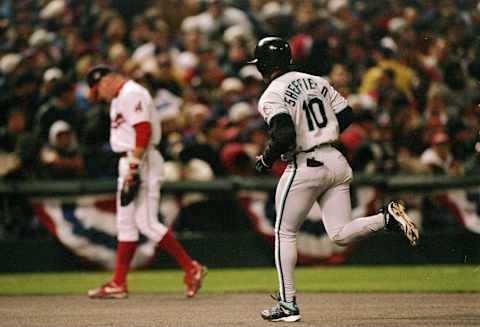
point(132, 182)
point(133, 170)
point(261, 166)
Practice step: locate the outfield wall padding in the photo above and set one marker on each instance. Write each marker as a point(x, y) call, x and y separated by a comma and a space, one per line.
point(248, 250)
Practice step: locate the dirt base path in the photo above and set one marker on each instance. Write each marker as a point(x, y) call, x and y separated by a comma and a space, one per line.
point(207, 310)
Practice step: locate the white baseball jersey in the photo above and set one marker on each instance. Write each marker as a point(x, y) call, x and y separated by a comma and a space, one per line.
point(310, 101)
point(132, 105)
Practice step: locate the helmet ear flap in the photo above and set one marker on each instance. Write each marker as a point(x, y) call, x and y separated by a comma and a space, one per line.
point(264, 69)
point(272, 53)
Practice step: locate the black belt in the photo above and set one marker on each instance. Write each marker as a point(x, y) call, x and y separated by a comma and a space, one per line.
point(125, 154)
point(313, 148)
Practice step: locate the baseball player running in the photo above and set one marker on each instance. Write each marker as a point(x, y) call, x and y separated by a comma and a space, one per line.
point(133, 136)
point(305, 115)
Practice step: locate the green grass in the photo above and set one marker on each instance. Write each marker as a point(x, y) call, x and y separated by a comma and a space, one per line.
point(309, 279)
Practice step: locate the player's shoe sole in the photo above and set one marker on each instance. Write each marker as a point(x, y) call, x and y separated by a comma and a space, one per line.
point(294, 318)
point(397, 212)
point(117, 296)
point(109, 291)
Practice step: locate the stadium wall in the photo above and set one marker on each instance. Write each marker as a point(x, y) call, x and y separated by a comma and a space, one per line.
point(248, 250)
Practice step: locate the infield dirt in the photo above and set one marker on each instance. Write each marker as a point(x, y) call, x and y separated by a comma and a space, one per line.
point(319, 309)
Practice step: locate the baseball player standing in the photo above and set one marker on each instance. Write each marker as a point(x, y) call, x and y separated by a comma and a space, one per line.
point(134, 132)
point(305, 115)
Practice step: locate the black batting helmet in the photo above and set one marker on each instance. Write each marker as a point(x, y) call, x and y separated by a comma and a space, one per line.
point(272, 53)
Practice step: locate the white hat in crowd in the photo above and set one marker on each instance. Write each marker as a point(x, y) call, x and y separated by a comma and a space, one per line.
point(52, 73)
point(231, 84)
point(57, 127)
point(271, 9)
point(236, 32)
point(250, 71)
point(9, 62)
point(40, 37)
point(239, 111)
point(53, 9)
point(335, 5)
point(185, 60)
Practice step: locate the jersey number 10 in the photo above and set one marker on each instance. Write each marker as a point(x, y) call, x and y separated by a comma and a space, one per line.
point(313, 105)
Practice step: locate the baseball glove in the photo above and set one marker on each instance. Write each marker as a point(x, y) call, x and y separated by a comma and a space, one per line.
point(130, 189)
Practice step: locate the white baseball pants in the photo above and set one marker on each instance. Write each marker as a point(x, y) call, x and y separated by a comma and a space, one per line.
point(142, 213)
point(324, 176)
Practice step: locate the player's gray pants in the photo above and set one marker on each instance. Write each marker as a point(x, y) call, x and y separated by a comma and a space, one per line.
point(299, 187)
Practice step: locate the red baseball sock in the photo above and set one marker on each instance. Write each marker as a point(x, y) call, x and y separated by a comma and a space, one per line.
point(170, 245)
point(125, 252)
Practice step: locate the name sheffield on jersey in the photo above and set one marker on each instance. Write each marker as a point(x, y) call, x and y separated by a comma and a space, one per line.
point(296, 87)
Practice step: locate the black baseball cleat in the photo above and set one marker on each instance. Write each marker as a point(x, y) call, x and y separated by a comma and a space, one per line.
point(397, 220)
point(282, 311)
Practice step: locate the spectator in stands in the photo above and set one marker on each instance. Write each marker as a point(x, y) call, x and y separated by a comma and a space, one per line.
point(457, 90)
point(50, 77)
point(62, 106)
point(236, 55)
point(358, 133)
point(236, 160)
point(385, 57)
point(313, 44)
point(376, 155)
point(60, 157)
point(167, 78)
point(341, 79)
point(216, 19)
point(253, 83)
point(207, 146)
point(99, 159)
point(232, 91)
point(10, 162)
point(438, 156)
point(24, 95)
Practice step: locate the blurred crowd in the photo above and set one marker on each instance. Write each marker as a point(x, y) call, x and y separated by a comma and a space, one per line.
point(407, 67)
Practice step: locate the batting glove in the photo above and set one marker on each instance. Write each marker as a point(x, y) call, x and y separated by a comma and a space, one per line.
point(261, 166)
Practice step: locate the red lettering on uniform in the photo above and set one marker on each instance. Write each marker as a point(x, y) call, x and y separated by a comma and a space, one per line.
point(117, 121)
point(138, 107)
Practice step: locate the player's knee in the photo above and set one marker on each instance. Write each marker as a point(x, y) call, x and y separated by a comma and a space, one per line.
point(339, 239)
point(127, 234)
point(148, 231)
point(286, 232)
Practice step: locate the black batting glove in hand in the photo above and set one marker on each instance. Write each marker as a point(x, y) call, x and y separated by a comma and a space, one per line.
point(261, 166)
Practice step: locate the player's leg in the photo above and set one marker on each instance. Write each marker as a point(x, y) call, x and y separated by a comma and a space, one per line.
point(127, 237)
point(293, 200)
point(336, 209)
point(337, 217)
point(147, 220)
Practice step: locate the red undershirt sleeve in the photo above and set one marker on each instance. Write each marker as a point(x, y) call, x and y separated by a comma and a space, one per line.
point(143, 131)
